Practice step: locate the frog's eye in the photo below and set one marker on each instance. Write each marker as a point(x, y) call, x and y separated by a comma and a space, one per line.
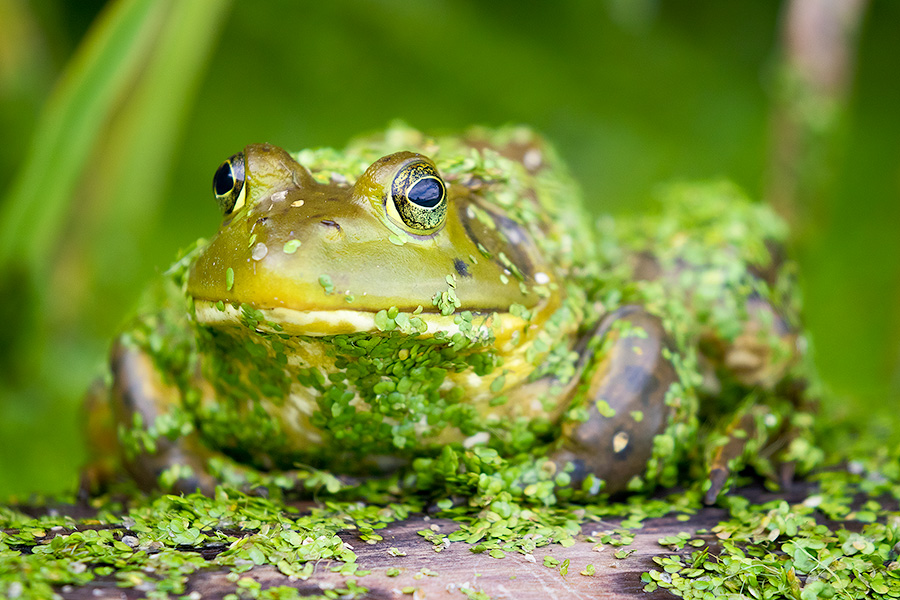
point(228, 184)
point(419, 195)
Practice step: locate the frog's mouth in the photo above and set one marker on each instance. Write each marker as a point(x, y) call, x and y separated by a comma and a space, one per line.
point(319, 323)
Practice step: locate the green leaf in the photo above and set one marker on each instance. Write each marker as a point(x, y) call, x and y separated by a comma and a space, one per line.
point(135, 70)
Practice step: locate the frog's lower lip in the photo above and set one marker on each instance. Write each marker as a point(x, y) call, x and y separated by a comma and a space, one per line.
point(337, 322)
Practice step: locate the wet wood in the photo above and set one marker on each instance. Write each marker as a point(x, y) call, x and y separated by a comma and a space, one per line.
point(425, 573)
point(457, 572)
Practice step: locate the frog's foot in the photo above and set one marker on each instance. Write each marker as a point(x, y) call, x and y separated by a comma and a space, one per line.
point(159, 448)
point(626, 401)
point(739, 431)
point(752, 436)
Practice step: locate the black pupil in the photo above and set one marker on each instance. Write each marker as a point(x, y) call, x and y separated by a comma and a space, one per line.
point(426, 193)
point(224, 180)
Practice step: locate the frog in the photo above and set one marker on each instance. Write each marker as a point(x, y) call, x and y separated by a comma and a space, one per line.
point(360, 309)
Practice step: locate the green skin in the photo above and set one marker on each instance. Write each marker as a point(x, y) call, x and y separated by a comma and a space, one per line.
point(343, 318)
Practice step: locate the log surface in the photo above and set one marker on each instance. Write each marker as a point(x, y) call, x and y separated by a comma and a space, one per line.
point(447, 573)
point(457, 572)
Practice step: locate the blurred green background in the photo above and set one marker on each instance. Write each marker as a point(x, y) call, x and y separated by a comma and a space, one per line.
point(114, 119)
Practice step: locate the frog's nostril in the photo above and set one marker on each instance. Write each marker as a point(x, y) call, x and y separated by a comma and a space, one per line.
point(330, 223)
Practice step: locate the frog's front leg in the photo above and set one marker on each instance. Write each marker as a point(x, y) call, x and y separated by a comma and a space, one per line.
point(154, 435)
point(625, 400)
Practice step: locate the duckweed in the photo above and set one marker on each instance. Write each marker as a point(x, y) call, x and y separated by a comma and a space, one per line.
point(842, 540)
point(381, 393)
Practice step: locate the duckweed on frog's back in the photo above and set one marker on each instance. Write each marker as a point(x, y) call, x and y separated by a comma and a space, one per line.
point(361, 309)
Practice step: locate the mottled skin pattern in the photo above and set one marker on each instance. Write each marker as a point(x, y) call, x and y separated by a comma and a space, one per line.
point(346, 319)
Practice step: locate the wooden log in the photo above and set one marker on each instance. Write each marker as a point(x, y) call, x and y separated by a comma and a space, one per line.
point(457, 572)
point(454, 571)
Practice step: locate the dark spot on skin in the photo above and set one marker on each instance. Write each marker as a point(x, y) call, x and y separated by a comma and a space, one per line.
point(581, 470)
point(635, 378)
point(330, 223)
point(644, 383)
point(262, 220)
point(461, 267)
point(651, 392)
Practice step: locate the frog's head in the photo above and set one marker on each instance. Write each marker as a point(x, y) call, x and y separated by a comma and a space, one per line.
point(319, 254)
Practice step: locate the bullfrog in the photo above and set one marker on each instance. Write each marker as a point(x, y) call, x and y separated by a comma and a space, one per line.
point(359, 309)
